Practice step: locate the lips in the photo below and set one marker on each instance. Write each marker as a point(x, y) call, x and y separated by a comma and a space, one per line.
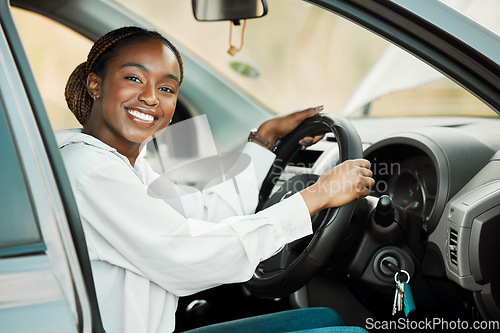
point(141, 118)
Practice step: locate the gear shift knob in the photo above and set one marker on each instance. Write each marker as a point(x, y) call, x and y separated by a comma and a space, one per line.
point(384, 213)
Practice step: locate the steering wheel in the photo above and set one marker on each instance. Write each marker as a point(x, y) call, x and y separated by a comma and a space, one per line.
point(299, 261)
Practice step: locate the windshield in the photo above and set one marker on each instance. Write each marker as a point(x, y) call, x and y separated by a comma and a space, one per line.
point(297, 56)
point(300, 55)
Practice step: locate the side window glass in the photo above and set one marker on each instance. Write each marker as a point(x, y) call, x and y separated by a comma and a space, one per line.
point(53, 52)
point(19, 231)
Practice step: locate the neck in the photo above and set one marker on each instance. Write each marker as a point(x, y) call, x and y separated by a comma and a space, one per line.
point(128, 149)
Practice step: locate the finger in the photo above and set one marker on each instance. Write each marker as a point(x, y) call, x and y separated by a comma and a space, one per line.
point(365, 192)
point(369, 182)
point(309, 112)
point(306, 142)
point(317, 138)
point(363, 189)
point(309, 141)
point(366, 172)
point(314, 108)
point(361, 162)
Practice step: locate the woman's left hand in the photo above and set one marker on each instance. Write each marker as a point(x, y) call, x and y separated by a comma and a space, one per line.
point(276, 128)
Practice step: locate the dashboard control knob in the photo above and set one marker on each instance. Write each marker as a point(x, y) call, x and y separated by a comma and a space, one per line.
point(384, 213)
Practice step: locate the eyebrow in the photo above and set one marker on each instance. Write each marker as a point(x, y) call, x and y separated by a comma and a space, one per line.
point(144, 68)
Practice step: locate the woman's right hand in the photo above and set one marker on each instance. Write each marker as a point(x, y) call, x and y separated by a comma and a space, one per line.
point(339, 185)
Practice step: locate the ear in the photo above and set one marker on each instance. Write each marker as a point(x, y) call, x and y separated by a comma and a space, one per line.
point(94, 85)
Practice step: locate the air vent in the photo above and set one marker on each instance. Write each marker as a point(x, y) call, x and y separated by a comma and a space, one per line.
point(453, 247)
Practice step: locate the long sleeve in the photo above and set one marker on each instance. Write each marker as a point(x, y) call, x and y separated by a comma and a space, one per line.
point(127, 227)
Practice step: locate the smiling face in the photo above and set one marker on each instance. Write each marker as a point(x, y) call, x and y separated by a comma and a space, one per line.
point(136, 96)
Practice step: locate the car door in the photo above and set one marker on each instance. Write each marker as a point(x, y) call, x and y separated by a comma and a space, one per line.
point(44, 286)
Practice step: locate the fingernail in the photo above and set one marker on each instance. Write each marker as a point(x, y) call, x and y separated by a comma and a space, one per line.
point(305, 142)
point(319, 107)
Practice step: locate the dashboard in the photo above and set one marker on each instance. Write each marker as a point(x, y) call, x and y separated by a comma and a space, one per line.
point(411, 183)
point(444, 183)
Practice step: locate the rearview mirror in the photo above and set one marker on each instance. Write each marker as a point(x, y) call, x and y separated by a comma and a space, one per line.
point(228, 10)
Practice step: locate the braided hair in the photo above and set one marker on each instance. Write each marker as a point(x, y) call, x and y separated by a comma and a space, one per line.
point(104, 49)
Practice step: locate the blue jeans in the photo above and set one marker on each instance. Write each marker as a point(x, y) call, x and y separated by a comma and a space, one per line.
point(317, 320)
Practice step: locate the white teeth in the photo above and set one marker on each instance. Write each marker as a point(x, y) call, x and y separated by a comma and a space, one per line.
point(142, 116)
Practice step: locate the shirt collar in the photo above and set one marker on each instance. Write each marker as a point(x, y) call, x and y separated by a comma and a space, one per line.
point(75, 135)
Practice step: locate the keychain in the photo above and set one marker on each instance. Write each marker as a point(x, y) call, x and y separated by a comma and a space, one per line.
point(403, 297)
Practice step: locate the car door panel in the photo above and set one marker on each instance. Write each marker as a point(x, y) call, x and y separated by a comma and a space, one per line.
point(38, 262)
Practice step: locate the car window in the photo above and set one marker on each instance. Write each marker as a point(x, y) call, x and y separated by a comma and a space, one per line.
point(53, 51)
point(19, 233)
point(438, 98)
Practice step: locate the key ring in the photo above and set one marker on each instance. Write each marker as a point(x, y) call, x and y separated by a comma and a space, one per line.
point(402, 271)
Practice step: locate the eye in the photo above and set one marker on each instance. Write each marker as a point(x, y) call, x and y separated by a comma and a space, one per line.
point(167, 89)
point(133, 78)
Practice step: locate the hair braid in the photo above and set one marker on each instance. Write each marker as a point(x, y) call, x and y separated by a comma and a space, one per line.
point(77, 97)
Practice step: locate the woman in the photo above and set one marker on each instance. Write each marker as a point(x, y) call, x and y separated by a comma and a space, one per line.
point(144, 253)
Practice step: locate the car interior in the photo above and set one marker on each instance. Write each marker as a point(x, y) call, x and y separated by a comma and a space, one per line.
point(434, 212)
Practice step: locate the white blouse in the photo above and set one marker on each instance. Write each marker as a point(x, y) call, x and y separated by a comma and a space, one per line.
point(145, 254)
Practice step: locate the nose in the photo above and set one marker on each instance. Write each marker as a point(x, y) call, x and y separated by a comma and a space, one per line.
point(148, 95)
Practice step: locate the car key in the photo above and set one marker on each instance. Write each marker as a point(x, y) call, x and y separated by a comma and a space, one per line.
point(399, 296)
point(396, 298)
point(401, 288)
